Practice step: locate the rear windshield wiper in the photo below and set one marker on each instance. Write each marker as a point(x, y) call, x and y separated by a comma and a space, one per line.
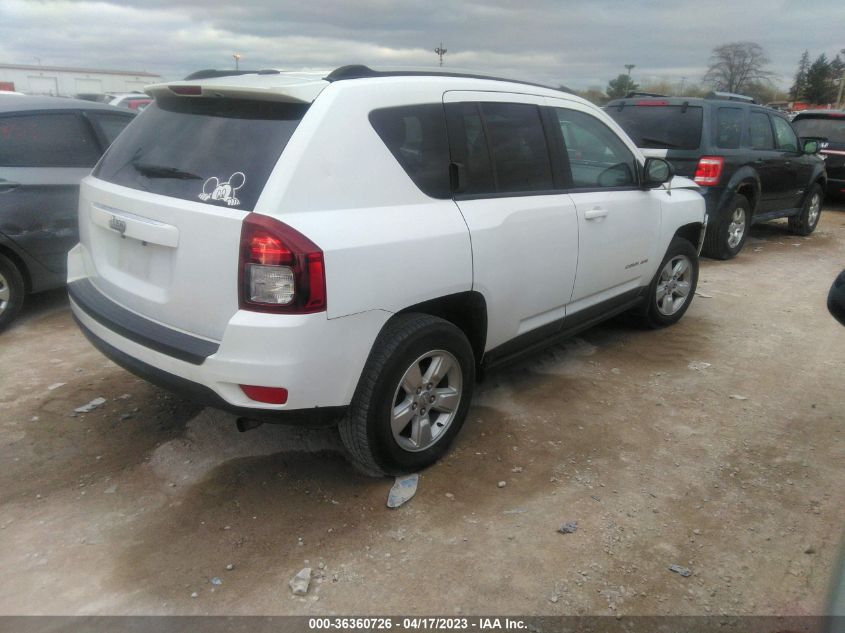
point(660, 142)
point(162, 171)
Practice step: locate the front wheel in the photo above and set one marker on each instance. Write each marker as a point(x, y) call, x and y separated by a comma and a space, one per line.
point(412, 398)
point(672, 289)
point(806, 222)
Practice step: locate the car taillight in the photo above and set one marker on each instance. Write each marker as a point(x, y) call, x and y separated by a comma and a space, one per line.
point(709, 170)
point(281, 270)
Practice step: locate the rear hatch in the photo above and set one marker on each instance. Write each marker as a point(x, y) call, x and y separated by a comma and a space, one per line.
point(830, 129)
point(161, 215)
point(663, 128)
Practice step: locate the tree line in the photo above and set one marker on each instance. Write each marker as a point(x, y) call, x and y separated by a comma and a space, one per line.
point(740, 67)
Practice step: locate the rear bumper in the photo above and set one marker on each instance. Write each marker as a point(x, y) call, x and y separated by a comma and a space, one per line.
point(318, 360)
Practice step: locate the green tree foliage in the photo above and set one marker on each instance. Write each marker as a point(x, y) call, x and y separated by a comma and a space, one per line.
point(821, 86)
point(621, 86)
point(796, 92)
point(735, 65)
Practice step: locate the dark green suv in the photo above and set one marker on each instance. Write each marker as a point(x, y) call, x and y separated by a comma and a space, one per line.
point(747, 159)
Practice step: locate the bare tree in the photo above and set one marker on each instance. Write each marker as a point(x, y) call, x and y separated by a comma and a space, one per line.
point(734, 66)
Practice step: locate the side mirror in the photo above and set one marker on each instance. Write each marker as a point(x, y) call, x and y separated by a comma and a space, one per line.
point(810, 146)
point(656, 172)
point(836, 298)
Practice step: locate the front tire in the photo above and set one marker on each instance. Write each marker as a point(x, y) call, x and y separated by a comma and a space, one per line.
point(671, 291)
point(806, 222)
point(412, 398)
point(11, 291)
point(726, 236)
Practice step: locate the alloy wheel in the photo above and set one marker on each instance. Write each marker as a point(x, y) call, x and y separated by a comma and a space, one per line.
point(736, 229)
point(674, 285)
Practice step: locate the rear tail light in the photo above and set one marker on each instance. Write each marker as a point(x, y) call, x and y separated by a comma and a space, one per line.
point(281, 270)
point(192, 91)
point(709, 170)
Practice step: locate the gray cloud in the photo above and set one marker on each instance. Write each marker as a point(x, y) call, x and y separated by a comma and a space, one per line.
point(575, 43)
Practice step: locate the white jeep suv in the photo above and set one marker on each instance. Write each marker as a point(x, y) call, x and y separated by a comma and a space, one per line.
point(353, 248)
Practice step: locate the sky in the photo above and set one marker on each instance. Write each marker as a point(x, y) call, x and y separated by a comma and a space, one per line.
point(577, 44)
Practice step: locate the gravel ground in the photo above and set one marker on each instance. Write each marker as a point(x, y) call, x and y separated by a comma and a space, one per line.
point(716, 445)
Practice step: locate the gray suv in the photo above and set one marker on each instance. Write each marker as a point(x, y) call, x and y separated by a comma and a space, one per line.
point(47, 146)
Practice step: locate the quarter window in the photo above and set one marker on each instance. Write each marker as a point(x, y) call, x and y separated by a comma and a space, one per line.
point(110, 125)
point(728, 128)
point(597, 156)
point(784, 135)
point(416, 136)
point(761, 131)
point(47, 140)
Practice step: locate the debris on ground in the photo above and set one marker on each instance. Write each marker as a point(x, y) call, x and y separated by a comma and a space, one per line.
point(299, 583)
point(403, 490)
point(194, 595)
point(515, 511)
point(698, 365)
point(738, 397)
point(85, 408)
point(230, 567)
point(502, 484)
point(55, 385)
point(568, 528)
point(702, 294)
point(683, 571)
point(216, 581)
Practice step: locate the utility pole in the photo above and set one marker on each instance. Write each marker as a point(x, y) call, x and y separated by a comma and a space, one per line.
point(237, 57)
point(440, 52)
point(683, 85)
point(630, 67)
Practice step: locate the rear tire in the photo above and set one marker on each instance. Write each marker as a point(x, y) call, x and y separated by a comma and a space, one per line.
point(673, 287)
point(12, 291)
point(412, 398)
point(806, 222)
point(727, 233)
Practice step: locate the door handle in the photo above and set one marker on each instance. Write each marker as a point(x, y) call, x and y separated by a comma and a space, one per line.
point(8, 185)
point(595, 214)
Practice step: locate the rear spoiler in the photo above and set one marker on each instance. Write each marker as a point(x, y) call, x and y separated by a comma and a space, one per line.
point(273, 87)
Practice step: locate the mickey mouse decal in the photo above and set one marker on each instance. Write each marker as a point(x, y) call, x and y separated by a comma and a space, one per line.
point(215, 190)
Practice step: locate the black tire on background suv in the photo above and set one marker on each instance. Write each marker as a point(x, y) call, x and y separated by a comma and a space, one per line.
point(806, 222)
point(11, 291)
point(727, 233)
point(412, 397)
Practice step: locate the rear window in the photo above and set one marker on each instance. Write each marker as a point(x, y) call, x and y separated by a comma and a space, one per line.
point(831, 129)
point(663, 127)
point(217, 151)
point(54, 139)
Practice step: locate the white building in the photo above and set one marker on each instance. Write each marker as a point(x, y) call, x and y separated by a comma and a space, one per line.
point(69, 82)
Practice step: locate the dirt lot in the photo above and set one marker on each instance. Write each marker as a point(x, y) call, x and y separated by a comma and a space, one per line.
point(716, 445)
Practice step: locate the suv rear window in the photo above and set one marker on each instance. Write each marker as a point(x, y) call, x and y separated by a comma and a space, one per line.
point(218, 151)
point(50, 139)
point(660, 126)
point(831, 129)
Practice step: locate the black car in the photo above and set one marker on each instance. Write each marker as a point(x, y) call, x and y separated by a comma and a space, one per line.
point(829, 127)
point(47, 146)
point(748, 160)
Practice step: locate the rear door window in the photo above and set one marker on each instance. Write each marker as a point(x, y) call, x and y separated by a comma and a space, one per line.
point(728, 128)
point(660, 126)
point(518, 147)
point(416, 136)
point(215, 150)
point(48, 139)
point(761, 131)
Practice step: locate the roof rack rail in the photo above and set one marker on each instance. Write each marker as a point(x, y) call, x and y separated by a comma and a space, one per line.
point(634, 93)
point(359, 71)
point(729, 96)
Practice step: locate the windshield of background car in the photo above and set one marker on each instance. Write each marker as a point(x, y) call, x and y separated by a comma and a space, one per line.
point(660, 126)
point(831, 129)
point(215, 150)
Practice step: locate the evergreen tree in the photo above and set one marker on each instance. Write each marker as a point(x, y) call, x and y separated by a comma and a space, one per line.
point(800, 85)
point(620, 86)
point(820, 82)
